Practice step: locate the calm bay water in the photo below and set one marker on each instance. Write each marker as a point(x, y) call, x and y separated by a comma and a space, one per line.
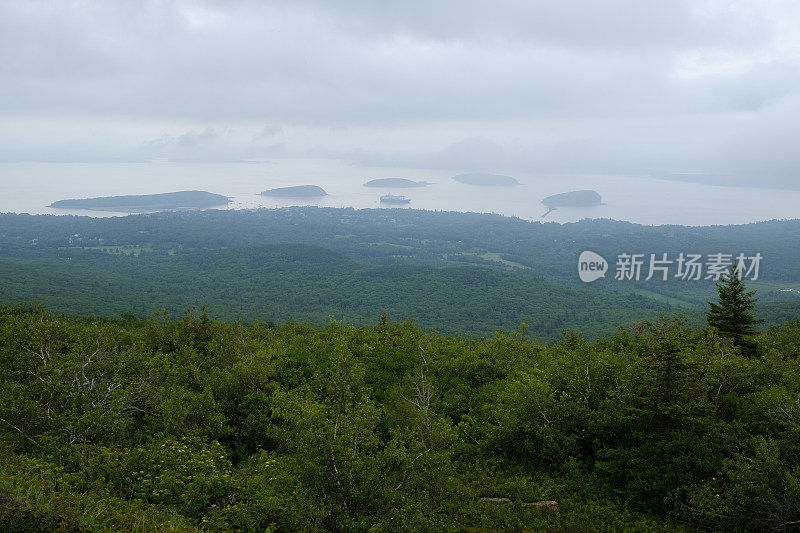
point(30, 187)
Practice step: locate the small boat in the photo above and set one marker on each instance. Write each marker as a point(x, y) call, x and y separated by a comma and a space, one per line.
point(394, 199)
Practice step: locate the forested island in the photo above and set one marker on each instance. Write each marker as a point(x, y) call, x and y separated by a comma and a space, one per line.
point(486, 179)
point(297, 191)
point(573, 199)
point(146, 202)
point(398, 183)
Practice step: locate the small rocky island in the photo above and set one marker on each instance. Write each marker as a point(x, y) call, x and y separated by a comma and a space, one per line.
point(584, 198)
point(486, 180)
point(399, 183)
point(146, 202)
point(297, 191)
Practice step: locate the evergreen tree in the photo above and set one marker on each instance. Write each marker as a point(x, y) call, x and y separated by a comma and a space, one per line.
point(733, 315)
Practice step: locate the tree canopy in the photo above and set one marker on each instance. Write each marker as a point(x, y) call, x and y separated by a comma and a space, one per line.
point(733, 313)
point(198, 424)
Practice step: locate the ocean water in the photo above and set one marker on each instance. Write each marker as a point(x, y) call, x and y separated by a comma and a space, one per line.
point(31, 187)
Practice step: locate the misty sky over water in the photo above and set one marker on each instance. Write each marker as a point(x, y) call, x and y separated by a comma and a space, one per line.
point(701, 90)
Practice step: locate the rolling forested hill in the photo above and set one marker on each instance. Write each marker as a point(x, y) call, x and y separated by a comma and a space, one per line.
point(311, 284)
point(113, 418)
point(458, 273)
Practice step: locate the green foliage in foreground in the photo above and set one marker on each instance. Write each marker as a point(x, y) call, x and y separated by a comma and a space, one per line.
point(733, 313)
point(201, 424)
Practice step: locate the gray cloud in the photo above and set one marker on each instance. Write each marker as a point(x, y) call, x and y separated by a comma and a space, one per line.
point(632, 86)
point(569, 23)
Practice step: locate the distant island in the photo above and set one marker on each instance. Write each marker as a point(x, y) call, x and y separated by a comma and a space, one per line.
point(584, 198)
point(486, 180)
point(146, 202)
point(573, 199)
point(400, 183)
point(298, 191)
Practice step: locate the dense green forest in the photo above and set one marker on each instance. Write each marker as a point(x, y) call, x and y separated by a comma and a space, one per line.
point(447, 391)
point(198, 424)
point(311, 284)
point(390, 236)
point(458, 273)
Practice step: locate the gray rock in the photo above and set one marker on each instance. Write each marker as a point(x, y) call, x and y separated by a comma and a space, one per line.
point(495, 500)
point(549, 505)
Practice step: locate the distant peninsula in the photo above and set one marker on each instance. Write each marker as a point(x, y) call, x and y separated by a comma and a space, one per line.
point(486, 180)
point(399, 183)
point(146, 202)
point(573, 199)
point(298, 191)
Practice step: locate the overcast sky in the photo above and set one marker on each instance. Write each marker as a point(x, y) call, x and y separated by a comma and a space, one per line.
point(664, 87)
